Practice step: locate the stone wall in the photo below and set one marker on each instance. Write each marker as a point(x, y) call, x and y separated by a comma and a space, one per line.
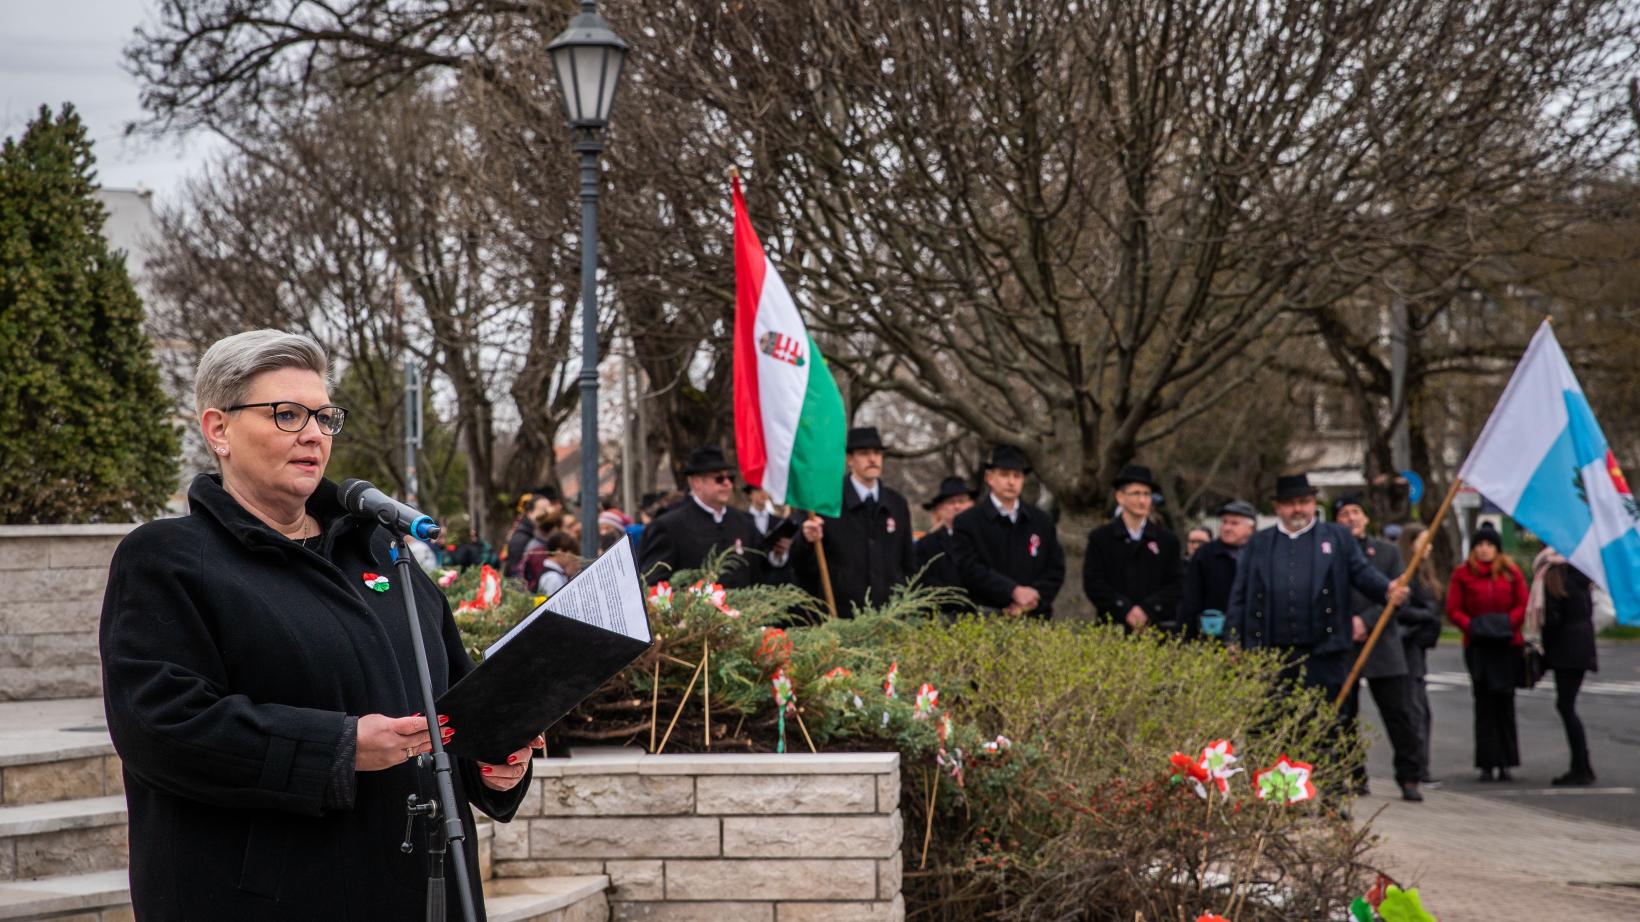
point(51, 581)
point(717, 838)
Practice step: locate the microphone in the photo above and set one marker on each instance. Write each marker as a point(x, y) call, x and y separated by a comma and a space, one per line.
point(361, 498)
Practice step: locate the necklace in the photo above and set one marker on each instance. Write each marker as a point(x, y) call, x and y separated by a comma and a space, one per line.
point(310, 541)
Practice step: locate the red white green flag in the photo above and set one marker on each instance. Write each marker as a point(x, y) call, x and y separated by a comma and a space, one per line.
point(789, 421)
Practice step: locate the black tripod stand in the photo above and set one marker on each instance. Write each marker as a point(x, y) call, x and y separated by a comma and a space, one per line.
point(444, 808)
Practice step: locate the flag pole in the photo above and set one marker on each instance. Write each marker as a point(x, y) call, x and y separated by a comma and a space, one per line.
point(1419, 551)
point(825, 571)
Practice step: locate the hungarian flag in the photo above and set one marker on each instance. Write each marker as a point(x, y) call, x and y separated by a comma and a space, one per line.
point(789, 420)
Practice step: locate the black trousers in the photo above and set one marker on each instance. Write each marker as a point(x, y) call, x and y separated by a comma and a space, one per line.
point(1497, 745)
point(1393, 695)
point(1422, 720)
point(1567, 683)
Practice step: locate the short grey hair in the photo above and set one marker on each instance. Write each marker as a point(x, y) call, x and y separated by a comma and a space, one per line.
point(228, 367)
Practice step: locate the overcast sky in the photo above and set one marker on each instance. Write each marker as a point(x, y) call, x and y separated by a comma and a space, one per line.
point(57, 51)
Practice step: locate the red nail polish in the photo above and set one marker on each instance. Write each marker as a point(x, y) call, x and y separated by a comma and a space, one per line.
point(443, 719)
point(512, 760)
point(417, 714)
point(488, 770)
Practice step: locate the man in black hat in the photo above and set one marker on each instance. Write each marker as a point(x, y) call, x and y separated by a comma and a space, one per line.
point(1006, 549)
point(868, 547)
point(936, 551)
point(1131, 571)
point(1294, 583)
point(703, 525)
point(1212, 571)
point(1386, 667)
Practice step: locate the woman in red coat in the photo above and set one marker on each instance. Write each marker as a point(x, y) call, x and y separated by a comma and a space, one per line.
point(1487, 601)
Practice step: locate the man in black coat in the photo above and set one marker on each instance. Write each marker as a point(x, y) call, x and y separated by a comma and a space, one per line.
point(868, 548)
point(1386, 668)
point(936, 550)
point(704, 525)
point(1212, 571)
point(1131, 571)
point(1006, 549)
point(1293, 590)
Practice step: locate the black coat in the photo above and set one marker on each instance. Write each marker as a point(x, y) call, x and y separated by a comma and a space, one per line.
point(1119, 573)
point(524, 531)
point(1339, 569)
point(232, 661)
point(1568, 625)
point(994, 555)
point(683, 537)
point(937, 559)
point(868, 550)
point(1388, 658)
point(1207, 582)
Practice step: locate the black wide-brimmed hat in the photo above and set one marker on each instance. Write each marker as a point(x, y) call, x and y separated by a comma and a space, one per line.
point(1134, 473)
point(1007, 458)
point(1293, 486)
point(1239, 507)
point(1347, 499)
point(949, 487)
point(863, 437)
point(705, 460)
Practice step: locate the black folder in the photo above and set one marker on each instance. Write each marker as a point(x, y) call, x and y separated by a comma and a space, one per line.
point(557, 657)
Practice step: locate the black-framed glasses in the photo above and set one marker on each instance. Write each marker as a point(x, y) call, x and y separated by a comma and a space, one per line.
point(723, 478)
point(293, 417)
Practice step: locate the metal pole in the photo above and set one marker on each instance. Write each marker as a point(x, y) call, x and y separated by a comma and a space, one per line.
point(628, 438)
point(590, 147)
point(412, 429)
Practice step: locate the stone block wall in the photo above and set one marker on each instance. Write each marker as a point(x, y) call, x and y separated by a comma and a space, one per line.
point(724, 838)
point(52, 579)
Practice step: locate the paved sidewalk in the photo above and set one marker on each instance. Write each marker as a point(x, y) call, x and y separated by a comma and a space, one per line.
point(1478, 860)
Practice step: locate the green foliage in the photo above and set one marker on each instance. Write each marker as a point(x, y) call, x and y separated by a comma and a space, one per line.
point(1062, 732)
point(86, 433)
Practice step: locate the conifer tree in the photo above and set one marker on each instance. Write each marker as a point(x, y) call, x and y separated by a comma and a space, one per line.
point(86, 432)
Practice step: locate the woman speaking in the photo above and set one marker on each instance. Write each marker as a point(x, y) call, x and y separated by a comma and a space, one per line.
point(259, 678)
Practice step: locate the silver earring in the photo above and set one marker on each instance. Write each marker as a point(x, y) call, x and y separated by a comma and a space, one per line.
point(220, 450)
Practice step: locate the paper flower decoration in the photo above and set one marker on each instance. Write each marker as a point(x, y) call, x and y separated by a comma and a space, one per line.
point(447, 578)
point(540, 599)
point(951, 762)
point(928, 698)
point(488, 594)
point(1403, 906)
point(712, 592)
point(839, 672)
point(1286, 782)
point(945, 728)
point(376, 581)
point(776, 648)
point(1211, 917)
point(999, 745)
point(888, 683)
point(1187, 769)
point(782, 687)
point(660, 596)
point(1219, 759)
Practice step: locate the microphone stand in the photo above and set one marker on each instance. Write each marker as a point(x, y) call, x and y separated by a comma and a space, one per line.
point(445, 807)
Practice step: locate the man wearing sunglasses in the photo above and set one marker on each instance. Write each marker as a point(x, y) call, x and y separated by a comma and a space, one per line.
point(704, 525)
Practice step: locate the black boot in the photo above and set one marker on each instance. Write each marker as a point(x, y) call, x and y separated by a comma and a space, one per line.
point(1486, 775)
point(1503, 775)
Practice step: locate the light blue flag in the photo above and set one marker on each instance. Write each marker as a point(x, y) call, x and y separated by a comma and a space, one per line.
point(1543, 460)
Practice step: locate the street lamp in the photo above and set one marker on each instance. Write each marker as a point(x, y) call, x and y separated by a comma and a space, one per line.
point(587, 57)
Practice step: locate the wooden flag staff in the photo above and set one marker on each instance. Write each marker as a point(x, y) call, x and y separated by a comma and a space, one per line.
point(1419, 551)
point(825, 571)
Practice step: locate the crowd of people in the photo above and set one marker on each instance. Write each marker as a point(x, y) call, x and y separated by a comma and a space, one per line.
point(1311, 590)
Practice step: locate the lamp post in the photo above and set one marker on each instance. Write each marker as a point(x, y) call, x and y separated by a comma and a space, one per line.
point(587, 57)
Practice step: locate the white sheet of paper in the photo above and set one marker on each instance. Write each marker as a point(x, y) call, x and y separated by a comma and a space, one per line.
point(607, 594)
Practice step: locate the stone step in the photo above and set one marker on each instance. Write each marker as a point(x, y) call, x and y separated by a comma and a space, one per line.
point(101, 895)
point(63, 837)
point(547, 899)
point(56, 750)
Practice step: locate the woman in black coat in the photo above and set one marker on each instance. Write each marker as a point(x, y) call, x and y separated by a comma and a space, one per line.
point(1568, 648)
point(258, 675)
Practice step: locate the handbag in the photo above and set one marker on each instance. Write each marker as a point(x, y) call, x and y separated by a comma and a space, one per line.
point(1533, 665)
point(1491, 627)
